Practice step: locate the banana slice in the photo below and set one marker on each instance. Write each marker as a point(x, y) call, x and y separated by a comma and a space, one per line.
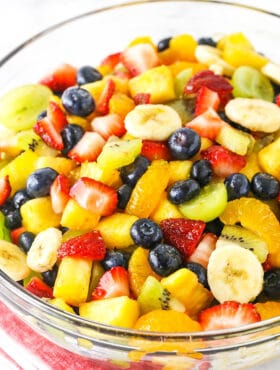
point(212, 57)
point(152, 121)
point(254, 114)
point(42, 255)
point(13, 261)
point(234, 274)
point(272, 71)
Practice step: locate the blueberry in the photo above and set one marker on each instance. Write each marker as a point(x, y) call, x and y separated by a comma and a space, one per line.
point(206, 41)
point(271, 285)
point(184, 143)
point(215, 227)
point(13, 219)
point(50, 276)
point(78, 101)
point(131, 174)
point(163, 44)
point(123, 193)
point(25, 240)
point(20, 197)
point(164, 259)
point(237, 186)
point(146, 233)
point(39, 182)
point(202, 171)
point(87, 74)
point(182, 191)
point(115, 258)
point(42, 115)
point(71, 135)
point(265, 186)
point(200, 271)
point(63, 229)
point(7, 207)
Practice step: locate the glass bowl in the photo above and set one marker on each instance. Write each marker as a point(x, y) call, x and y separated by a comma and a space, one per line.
point(86, 39)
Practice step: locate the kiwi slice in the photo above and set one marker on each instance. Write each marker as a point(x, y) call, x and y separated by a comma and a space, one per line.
point(181, 80)
point(184, 107)
point(248, 82)
point(4, 231)
point(235, 140)
point(245, 238)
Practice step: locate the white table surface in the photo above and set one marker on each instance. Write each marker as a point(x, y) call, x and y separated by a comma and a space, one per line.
point(20, 19)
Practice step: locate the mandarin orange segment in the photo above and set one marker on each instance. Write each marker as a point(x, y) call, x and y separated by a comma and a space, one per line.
point(268, 309)
point(256, 216)
point(148, 190)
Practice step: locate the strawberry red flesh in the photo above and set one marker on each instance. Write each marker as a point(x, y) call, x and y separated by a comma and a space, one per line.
point(95, 196)
point(155, 150)
point(206, 98)
point(277, 100)
point(5, 189)
point(87, 148)
point(204, 249)
point(113, 283)
point(102, 106)
point(37, 287)
point(229, 314)
point(60, 79)
point(16, 233)
point(183, 234)
point(108, 125)
point(142, 98)
point(111, 60)
point(59, 193)
point(56, 116)
point(89, 245)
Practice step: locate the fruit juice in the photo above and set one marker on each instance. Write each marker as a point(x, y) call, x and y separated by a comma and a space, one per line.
point(144, 192)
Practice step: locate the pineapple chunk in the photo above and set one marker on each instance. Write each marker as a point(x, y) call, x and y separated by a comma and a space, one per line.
point(158, 82)
point(77, 218)
point(121, 104)
point(119, 311)
point(269, 158)
point(179, 170)
point(239, 56)
point(183, 47)
point(60, 164)
point(110, 177)
point(72, 281)
point(37, 215)
point(59, 303)
point(235, 39)
point(165, 209)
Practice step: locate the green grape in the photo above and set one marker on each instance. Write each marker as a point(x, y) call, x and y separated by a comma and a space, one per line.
point(4, 231)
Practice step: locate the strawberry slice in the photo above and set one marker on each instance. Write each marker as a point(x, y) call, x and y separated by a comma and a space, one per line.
point(207, 124)
point(155, 150)
point(183, 234)
point(113, 283)
point(267, 264)
point(108, 125)
point(89, 245)
point(204, 249)
point(16, 233)
point(214, 82)
point(5, 189)
point(111, 60)
point(60, 79)
point(102, 105)
point(59, 193)
point(223, 161)
point(229, 314)
point(87, 148)
point(138, 58)
point(142, 98)
point(95, 196)
point(56, 115)
point(39, 288)
point(277, 100)
point(206, 98)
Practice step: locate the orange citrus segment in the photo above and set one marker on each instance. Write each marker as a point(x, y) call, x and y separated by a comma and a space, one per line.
point(268, 309)
point(256, 216)
point(167, 321)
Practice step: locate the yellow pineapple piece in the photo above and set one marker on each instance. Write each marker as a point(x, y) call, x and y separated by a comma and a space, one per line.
point(95, 88)
point(60, 164)
point(165, 209)
point(59, 303)
point(235, 39)
point(121, 84)
point(268, 309)
point(157, 81)
point(72, 281)
point(121, 104)
point(184, 285)
point(83, 122)
point(252, 166)
point(180, 66)
point(37, 215)
point(78, 218)
point(115, 230)
point(269, 158)
point(179, 170)
point(183, 47)
point(118, 311)
point(239, 56)
point(108, 176)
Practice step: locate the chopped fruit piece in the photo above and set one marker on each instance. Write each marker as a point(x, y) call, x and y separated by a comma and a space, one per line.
point(111, 61)
point(89, 245)
point(268, 158)
point(139, 58)
point(60, 164)
point(183, 47)
point(223, 161)
point(56, 116)
point(108, 176)
point(59, 303)
point(204, 249)
point(121, 104)
point(155, 150)
point(103, 101)
point(59, 193)
point(60, 79)
point(277, 100)
point(142, 98)
point(113, 283)
point(16, 233)
point(229, 314)
point(268, 309)
point(88, 147)
point(5, 189)
point(183, 234)
point(39, 288)
point(109, 125)
point(239, 56)
point(206, 98)
point(77, 218)
point(165, 209)
point(179, 170)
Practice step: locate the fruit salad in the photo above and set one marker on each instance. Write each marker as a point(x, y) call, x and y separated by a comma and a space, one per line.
point(144, 192)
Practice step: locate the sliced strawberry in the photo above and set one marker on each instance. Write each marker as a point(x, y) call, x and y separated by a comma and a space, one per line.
point(111, 60)
point(122, 73)
point(87, 148)
point(214, 82)
point(59, 193)
point(103, 101)
point(206, 98)
point(138, 58)
point(108, 125)
point(60, 79)
point(89, 245)
point(223, 161)
point(113, 283)
point(267, 264)
point(204, 249)
point(155, 150)
point(207, 124)
point(39, 288)
point(142, 98)
point(229, 314)
point(5, 189)
point(183, 234)
point(16, 233)
point(56, 116)
point(277, 100)
point(95, 196)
